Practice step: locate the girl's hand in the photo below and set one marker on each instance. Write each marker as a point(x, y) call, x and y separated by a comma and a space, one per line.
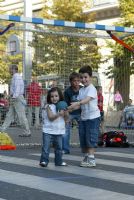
point(61, 113)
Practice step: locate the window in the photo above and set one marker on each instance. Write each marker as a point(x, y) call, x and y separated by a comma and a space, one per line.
point(102, 2)
point(12, 47)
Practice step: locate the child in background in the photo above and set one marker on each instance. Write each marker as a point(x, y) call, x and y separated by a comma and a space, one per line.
point(100, 105)
point(53, 128)
point(90, 117)
point(118, 100)
point(70, 95)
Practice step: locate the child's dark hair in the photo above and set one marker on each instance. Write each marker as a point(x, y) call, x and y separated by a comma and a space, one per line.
point(86, 69)
point(54, 89)
point(98, 88)
point(14, 67)
point(74, 75)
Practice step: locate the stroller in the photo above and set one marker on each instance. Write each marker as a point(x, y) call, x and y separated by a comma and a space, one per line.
point(127, 120)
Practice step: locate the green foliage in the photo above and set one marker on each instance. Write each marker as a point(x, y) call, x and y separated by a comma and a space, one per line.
point(69, 10)
point(58, 52)
point(127, 19)
point(5, 59)
point(122, 68)
point(127, 12)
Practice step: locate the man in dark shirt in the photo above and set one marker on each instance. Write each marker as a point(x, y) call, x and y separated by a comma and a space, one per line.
point(70, 95)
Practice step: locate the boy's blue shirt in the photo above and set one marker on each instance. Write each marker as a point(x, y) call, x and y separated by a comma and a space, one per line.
point(72, 96)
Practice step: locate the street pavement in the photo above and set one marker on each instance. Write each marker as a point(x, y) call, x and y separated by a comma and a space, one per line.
point(21, 177)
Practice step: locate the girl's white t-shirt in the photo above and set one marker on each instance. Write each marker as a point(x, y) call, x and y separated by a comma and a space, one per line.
point(89, 110)
point(55, 127)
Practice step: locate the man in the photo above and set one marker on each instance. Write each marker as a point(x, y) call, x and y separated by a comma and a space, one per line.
point(17, 102)
point(70, 95)
point(33, 93)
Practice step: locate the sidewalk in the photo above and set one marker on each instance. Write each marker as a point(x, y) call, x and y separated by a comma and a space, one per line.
point(36, 137)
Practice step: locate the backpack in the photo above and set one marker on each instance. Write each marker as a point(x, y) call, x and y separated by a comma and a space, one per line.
point(114, 139)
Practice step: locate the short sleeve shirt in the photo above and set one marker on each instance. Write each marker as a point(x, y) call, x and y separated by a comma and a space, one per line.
point(55, 127)
point(89, 110)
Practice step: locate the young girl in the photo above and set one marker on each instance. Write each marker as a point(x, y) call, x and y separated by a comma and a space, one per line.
point(53, 128)
point(90, 117)
point(118, 100)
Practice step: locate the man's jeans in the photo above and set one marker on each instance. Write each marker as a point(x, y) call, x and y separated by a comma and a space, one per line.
point(66, 136)
point(57, 141)
point(17, 106)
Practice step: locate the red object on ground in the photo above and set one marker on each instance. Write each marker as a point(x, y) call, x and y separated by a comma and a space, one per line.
point(7, 147)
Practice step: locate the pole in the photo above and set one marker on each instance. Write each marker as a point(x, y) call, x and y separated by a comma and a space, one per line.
point(27, 50)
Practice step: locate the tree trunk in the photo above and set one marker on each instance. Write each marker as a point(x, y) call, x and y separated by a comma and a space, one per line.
point(122, 75)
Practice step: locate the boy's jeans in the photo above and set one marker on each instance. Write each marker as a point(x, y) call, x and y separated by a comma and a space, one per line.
point(57, 140)
point(66, 136)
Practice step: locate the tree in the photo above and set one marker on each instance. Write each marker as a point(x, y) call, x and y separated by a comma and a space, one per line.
point(122, 68)
point(64, 49)
point(5, 58)
point(4, 75)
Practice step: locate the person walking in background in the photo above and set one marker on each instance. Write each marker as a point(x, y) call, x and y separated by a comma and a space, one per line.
point(17, 102)
point(100, 106)
point(118, 100)
point(4, 104)
point(53, 128)
point(33, 96)
point(90, 117)
point(71, 95)
point(5, 95)
point(43, 98)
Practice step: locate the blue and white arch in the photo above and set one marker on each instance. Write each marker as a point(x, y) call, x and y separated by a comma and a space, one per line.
point(63, 23)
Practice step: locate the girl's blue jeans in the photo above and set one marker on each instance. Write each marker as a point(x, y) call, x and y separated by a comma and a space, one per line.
point(57, 142)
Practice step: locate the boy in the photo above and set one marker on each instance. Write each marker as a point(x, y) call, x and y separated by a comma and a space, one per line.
point(90, 117)
point(71, 95)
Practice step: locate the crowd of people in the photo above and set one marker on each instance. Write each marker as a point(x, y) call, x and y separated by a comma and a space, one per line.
point(84, 104)
point(83, 107)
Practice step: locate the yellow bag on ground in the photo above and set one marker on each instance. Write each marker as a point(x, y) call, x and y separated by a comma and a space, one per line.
point(6, 143)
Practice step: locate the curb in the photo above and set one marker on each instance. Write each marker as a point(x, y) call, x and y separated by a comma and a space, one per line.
point(38, 145)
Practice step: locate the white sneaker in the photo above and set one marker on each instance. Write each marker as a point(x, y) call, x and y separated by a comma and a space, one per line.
point(62, 164)
point(88, 162)
point(43, 164)
point(84, 162)
point(91, 163)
